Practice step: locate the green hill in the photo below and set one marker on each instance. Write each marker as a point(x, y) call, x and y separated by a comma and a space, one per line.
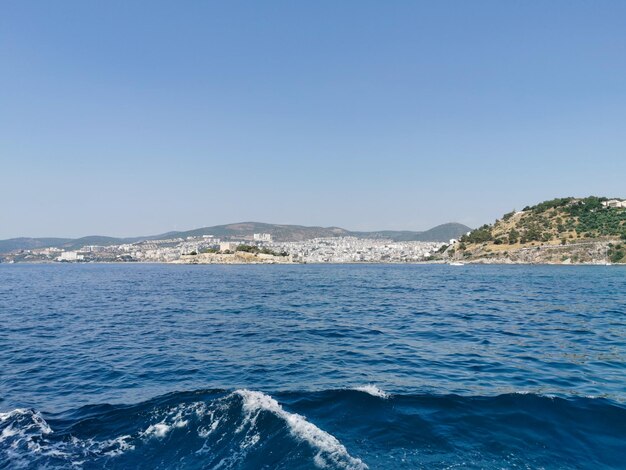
point(551, 226)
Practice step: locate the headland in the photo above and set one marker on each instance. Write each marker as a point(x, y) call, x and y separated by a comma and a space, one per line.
point(569, 230)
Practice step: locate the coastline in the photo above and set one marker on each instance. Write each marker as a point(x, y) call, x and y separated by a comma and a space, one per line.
point(481, 262)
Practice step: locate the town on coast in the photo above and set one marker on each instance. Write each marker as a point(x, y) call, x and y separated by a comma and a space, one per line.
point(568, 230)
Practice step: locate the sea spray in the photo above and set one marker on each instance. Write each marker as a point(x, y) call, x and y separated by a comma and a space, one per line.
point(329, 449)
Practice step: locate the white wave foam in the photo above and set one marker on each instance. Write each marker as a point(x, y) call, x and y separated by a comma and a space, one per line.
point(110, 447)
point(156, 430)
point(37, 423)
point(26, 439)
point(176, 417)
point(23, 428)
point(26, 436)
point(25, 432)
point(329, 449)
point(204, 431)
point(372, 390)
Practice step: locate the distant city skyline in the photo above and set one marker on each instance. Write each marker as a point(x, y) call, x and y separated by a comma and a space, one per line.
point(129, 119)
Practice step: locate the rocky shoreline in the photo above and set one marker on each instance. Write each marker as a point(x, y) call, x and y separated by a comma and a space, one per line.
point(584, 253)
point(239, 257)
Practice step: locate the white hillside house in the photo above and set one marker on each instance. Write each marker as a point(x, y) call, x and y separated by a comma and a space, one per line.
point(614, 203)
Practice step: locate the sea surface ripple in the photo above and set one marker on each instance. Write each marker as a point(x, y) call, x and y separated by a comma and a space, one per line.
point(312, 366)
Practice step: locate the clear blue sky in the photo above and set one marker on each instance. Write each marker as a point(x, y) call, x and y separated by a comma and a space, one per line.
point(130, 118)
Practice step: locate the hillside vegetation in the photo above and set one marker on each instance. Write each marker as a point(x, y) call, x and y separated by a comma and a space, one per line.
point(556, 227)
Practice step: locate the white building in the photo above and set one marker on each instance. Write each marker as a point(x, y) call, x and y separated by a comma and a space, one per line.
point(70, 256)
point(262, 237)
point(614, 203)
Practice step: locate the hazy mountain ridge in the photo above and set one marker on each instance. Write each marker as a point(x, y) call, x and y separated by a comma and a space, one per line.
point(440, 233)
point(25, 243)
point(279, 232)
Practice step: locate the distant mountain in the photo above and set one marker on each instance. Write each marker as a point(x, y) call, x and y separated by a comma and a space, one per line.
point(441, 233)
point(444, 232)
point(24, 243)
point(278, 232)
point(299, 232)
point(98, 240)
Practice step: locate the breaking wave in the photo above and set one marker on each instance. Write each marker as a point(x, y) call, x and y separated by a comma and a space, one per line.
point(334, 429)
point(227, 430)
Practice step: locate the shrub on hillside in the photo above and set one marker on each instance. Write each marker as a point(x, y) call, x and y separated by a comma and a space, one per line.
point(480, 235)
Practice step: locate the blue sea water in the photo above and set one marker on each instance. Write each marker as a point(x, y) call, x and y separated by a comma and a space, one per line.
point(328, 366)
